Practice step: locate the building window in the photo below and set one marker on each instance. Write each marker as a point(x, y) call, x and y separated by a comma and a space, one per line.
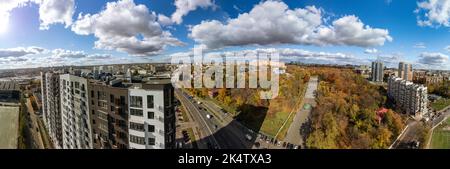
point(122, 100)
point(137, 139)
point(151, 128)
point(150, 102)
point(151, 115)
point(151, 141)
point(111, 98)
point(136, 101)
point(137, 126)
point(136, 112)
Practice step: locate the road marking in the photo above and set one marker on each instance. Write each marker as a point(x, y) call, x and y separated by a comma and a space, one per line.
point(201, 117)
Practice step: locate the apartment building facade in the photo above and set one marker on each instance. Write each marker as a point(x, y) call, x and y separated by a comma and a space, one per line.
point(76, 129)
point(405, 71)
point(377, 71)
point(51, 107)
point(109, 112)
point(152, 115)
point(411, 98)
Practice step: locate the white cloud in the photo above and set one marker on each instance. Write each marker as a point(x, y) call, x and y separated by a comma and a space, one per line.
point(20, 51)
point(287, 54)
point(272, 22)
point(186, 6)
point(56, 11)
point(61, 53)
point(371, 51)
point(50, 11)
point(433, 13)
point(420, 45)
point(447, 48)
point(29, 57)
point(6, 6)
point(126, 27)
point(164, 20)
point(433, 59)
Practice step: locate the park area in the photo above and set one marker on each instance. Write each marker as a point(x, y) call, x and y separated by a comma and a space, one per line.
point(9, 120)
point(440, 104)
point(441, 136)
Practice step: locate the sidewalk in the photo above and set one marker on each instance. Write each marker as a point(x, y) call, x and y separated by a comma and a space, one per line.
point(294, 134)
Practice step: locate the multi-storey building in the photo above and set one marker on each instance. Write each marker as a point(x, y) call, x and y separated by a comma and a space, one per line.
point(109, 112)
point(76, 129)
point(51, 107)
point(105, 112)
point(152, 116)
point(405, 71)
point(377, 71)
point(410, 97)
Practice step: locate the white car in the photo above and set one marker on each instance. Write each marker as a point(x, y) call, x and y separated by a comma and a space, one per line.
point(208, 116)
point(248, 137)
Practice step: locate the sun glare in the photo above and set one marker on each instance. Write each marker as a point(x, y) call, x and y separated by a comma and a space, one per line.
point(3, 25)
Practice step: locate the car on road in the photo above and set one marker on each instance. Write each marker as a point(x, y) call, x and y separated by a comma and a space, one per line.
point(248, 137)
point(209, 116)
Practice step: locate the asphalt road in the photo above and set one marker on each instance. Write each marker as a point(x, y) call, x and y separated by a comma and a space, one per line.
point(230, 127)
point(225, 136)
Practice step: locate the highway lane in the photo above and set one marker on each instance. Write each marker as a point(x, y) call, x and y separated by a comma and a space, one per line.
point(224, 134)
point(238, 130)
point(207, 131)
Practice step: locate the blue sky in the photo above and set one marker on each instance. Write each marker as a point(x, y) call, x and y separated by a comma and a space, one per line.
point(51, 33)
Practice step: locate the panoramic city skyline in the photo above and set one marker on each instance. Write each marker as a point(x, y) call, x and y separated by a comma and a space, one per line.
point(42, 33)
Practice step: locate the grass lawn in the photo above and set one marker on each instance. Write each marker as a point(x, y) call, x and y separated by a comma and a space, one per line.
point(272, 123)
point(440, 104)
point(441, 136)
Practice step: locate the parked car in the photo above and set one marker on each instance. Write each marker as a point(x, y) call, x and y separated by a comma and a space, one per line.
point(248, 137)
point(280, 143)
point(209, 116)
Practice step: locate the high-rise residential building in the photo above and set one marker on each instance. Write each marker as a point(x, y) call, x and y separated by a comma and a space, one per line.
point(405, 71)
point(106, 112)
point(411, 98)
point(152, 115)
point(76, 127)
point(377, 71)
point(109, 112)
point(51, 107)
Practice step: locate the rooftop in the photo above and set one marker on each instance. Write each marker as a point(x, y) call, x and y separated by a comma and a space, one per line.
point(9, 85)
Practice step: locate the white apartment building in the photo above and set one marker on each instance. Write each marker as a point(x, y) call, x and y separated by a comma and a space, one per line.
point(411, 98)
point(152, 117)
point(377, 71)
point(405, 71)
point(51, 109)
point(76, 128)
